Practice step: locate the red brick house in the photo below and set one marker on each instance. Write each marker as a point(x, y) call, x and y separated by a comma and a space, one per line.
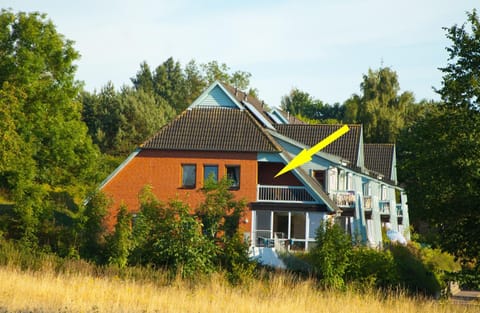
point(228, 133)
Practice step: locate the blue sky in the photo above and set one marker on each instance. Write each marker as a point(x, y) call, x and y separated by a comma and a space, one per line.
point(322, 47)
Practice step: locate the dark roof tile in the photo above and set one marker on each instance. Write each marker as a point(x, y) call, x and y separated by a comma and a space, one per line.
point(379, 158)
point(214, 129)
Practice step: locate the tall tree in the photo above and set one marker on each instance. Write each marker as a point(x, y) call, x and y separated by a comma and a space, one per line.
point(441, 152)
point(144, 78)
point(120, 121)
point(304, 106)
point(380, 107)
point(37, 78)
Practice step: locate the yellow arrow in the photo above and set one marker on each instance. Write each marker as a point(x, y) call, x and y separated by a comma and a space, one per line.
point(306, 155)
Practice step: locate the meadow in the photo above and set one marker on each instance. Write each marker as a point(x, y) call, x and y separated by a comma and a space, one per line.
point(50, 290)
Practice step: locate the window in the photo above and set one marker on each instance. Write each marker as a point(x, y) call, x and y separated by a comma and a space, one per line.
point(210, 170)
point(233, 173)
point(189, 175)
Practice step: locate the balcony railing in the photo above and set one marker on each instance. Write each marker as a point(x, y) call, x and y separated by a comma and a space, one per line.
point(384, 207)
point(367, 203)
point(270, 193)
point(343, 199)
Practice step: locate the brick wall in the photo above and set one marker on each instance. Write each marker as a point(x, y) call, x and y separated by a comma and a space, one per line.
point(163, 171)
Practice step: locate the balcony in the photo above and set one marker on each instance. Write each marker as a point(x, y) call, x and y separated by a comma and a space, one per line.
point(288, 194)
point(384, 207)
point(343, 199)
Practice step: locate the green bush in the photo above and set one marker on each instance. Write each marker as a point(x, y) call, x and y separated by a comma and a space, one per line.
point(168, 236)
point(414, 275)
point(372, 268)
point(331, 256)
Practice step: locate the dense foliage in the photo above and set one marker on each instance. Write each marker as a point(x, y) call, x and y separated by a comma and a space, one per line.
point(47, 157)
point(441, 152)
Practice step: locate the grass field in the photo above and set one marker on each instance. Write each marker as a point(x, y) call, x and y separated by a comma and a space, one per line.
point(45, 291)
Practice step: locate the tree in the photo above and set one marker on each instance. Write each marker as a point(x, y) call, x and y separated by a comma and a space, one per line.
point(120, 242)
point(441, 152)
point(331, 256)
point(380, 108)
point(144, 78)
point(461, 80)
point(118, 122)
point(179, 87)
point(305, 107)
point(42, 122)
point(169, 236)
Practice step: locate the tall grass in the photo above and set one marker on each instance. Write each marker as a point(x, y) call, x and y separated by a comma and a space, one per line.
point(40, 282)
point(50, 291)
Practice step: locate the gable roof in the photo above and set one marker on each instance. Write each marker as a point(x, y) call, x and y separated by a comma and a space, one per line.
point(346, 147)
point(213, 129)
point(379, 158)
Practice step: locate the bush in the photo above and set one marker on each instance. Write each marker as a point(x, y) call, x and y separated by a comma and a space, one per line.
point(169, 236)
point(331, 256)
point(414, 275)
point(372, 268)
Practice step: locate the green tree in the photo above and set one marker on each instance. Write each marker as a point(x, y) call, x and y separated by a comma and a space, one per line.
point(461, 79)
point(169, 84)
point(169, 236)
point(305, 107)
point(144, 78)
point(331, 256)
point(119, 122)
point(380, 107)
point(93, 227)
point(441, 152)
point(37, 79)
point(120, 242)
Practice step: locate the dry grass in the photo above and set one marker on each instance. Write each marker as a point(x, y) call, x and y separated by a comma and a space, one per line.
point(46, 291)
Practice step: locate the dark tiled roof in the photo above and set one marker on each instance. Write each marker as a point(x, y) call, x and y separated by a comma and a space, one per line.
point(218, 129)
point(379, 158)
point(346, 147)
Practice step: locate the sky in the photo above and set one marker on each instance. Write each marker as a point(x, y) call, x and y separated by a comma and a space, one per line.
point(321, 47)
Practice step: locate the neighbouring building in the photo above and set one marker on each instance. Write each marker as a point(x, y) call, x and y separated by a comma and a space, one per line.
point(226, 132)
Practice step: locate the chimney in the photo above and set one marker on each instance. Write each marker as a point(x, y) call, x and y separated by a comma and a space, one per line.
point(236, 91)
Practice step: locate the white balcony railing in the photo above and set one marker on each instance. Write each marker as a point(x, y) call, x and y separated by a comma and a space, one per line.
point(297, 194)
point(343, 199)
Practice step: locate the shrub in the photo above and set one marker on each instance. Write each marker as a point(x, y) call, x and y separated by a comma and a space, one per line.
point(331, 256)
point(413, 273)
point(169, 236)
point(120, 242)
point(372, 268)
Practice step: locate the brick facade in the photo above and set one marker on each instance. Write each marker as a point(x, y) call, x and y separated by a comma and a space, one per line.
point(163, 171)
